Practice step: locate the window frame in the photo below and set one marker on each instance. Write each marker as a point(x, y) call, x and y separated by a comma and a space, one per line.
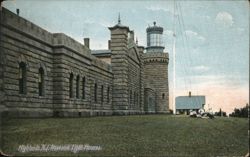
point(41, 82)
point(77, 86)
point(84, 87)
point(95, 92)
point(71, 85)
point(22, 78)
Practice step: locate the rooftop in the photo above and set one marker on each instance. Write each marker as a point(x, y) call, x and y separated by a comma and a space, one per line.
point(189, 102)
point(155, 28)
point(101, 53)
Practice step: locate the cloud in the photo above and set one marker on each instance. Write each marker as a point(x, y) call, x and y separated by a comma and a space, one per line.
point(224, 18)
point(207, 17)
point(210, 80)
point(168, 33)
point(158, 8)
point(103, 23)
point(192, 34)
point(240, 30)
point(201, 68)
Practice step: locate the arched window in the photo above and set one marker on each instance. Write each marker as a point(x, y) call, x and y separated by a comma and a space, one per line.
point(22, 78)
point(102, 93)
point(41, 81)
point(108, 90)
point(77, 86)
point(163, 95)
point(71, 78)
point(95, 92)
point(83, 87)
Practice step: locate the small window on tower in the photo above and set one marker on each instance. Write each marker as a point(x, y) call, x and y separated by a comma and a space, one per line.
point(163, 95)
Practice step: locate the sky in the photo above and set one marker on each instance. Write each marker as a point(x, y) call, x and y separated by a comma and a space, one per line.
point(212, 38)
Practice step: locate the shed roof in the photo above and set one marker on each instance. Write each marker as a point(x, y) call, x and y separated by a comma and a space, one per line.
point(192, 102)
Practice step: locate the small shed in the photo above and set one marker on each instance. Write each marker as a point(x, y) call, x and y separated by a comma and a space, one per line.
point(184, 104)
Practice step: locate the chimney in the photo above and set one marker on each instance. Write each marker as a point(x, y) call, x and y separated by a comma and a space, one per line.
point(86, 42)
point(109, 44)
point(1, 5)
point(17, 12)
point(189, 94)
point(132, 35)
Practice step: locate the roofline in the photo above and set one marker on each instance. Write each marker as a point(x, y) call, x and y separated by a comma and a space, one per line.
point(192, 96)
point(102, 54)
point(118, 26)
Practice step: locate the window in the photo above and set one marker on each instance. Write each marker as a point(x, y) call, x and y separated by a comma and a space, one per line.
point(134, 97)
point(163, 95)
point(108, 94)
point(83, 87)
point(22, 78)
point(155, 40)
point(95, 94)
point(71, 78)
point(138, 99)
point(41, 82)
point(130, 97)
point(102, 94)
point(77, 86)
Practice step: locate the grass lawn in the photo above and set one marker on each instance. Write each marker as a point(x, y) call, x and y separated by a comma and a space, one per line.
point(145, 135)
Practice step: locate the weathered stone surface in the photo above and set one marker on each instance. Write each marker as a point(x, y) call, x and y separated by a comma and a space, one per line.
point(157, 79)
point(98, 88)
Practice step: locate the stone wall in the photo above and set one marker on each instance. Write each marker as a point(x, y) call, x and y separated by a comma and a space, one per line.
point(105, 59)
point(134, 79)
point(119, 63)
point(150, 101)
point(74, 82)
point(59, 56)
point(126, 65)
point(22, 41)
point(140, 50)
point(156, 78)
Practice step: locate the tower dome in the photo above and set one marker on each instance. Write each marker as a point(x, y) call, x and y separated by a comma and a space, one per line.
point(154, 38)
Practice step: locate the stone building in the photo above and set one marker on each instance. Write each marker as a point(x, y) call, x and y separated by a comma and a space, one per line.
point(45, 74)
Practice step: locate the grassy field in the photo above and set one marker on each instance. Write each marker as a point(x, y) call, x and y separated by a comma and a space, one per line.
point(147, 135)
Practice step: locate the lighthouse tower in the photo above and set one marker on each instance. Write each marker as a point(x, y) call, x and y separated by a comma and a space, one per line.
point(154, 39)
point(156, 72)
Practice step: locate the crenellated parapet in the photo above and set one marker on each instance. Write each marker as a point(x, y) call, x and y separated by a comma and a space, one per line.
point(155, 57)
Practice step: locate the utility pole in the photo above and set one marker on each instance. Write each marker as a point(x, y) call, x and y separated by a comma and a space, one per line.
point(174, 35)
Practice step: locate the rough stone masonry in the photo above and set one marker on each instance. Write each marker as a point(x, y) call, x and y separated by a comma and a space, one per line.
point(45, 74)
